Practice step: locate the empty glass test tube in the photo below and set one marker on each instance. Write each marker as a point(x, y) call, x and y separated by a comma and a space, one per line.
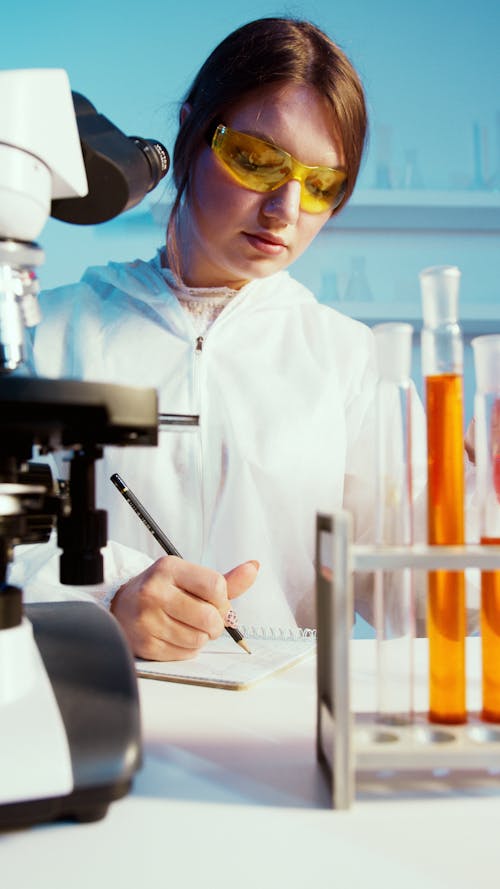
point(394, 590)
point(442, 369)
point(487, 447)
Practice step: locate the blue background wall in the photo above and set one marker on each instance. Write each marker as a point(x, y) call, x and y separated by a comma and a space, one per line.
point(430, 68)
point(431, 72)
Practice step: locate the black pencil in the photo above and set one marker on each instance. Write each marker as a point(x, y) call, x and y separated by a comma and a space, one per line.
point(163, 540)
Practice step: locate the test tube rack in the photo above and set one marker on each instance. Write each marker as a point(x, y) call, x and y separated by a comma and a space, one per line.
point(349, 743)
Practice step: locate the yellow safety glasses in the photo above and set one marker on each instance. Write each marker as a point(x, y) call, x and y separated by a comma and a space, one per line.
point(261, 166)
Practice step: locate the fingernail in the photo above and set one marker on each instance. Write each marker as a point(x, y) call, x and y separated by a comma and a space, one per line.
point(231, 619)
point(255, 563)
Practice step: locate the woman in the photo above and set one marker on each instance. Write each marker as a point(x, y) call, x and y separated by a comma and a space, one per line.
point(271, 138)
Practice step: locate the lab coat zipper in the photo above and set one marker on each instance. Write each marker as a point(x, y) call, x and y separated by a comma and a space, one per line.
point(197, 371)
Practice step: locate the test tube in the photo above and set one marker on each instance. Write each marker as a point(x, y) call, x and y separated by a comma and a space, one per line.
point(487, 447)
point(442, 369)
point(394, 592)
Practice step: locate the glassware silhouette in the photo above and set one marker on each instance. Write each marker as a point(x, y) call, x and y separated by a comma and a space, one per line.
point(394, 590)
point(358, 288)
point(412, 177)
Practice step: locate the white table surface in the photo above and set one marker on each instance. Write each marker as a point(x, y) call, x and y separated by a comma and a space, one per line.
point(230, 795)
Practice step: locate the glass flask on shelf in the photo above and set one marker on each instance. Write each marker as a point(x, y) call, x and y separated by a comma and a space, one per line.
point(329, 288)
point(383, 165)
point(358, 288)
point(495, 179)
point(412, 177)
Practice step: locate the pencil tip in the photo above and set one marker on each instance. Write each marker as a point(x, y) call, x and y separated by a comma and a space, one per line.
point(244, 646)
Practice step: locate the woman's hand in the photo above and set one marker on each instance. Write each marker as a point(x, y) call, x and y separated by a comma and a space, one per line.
point(171, 609)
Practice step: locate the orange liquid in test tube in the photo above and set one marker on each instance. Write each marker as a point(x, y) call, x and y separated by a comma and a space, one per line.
point(446, 619)
point(490, 636)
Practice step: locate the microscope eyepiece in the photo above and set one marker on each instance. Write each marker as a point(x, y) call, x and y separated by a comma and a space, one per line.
point(120, 169)
point(156, 156)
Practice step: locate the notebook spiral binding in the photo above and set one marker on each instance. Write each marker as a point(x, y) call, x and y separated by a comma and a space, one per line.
point(254, 631)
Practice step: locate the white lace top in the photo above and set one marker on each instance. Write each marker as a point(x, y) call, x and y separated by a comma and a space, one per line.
point(204, 304)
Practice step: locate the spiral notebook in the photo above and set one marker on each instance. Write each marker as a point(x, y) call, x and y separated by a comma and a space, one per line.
point(223, 664)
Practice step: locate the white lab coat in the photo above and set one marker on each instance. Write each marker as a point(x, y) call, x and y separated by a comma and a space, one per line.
point(285, 391)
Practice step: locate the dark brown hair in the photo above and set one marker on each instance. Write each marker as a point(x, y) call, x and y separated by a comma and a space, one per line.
point(263, 52)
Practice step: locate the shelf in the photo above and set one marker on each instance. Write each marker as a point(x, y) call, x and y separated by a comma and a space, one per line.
point(474, 320)
point(467, 211)
point(453, 558)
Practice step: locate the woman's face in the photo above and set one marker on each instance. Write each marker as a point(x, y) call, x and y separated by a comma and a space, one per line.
point(230, 234)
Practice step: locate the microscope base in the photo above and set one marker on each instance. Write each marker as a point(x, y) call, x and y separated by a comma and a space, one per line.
point(93, 679)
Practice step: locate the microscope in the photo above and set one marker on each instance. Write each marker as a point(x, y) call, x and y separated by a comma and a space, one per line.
point(70, 738)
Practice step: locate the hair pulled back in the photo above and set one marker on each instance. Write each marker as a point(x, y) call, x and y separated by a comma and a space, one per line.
point(260, 53)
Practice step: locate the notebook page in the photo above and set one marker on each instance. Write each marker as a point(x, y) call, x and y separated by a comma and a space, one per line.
point(223, 664)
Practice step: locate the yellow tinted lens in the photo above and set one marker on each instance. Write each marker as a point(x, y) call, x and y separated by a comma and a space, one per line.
point(253, 162)
point(323, 190)
point(258, 165)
